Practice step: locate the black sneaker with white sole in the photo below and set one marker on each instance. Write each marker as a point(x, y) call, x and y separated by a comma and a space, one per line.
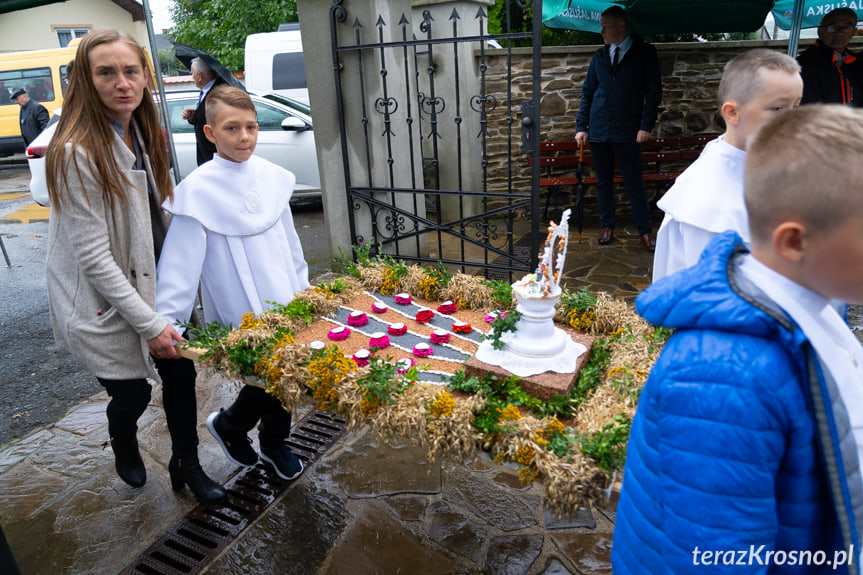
point(237, 446)
point(284, 461)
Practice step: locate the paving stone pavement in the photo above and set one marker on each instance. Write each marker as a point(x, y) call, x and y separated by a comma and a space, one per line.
point(364, 507)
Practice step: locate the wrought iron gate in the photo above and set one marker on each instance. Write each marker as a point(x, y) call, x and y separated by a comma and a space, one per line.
point(421, 116)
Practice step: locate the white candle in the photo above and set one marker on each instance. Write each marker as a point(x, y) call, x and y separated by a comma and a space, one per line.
point(397, 326)
point(362, 354)
point(317, 345)
point(356, 314)
point(378, 334)
point(422, 346)
point(339, 329)
point(439, 332)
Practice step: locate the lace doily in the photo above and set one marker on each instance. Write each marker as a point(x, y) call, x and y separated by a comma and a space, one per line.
point(525, 366)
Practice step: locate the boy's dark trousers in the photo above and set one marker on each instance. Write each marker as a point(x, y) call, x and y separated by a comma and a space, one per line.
point(253, 404)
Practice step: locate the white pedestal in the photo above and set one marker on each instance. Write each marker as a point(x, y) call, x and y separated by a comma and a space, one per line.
point(537, 345)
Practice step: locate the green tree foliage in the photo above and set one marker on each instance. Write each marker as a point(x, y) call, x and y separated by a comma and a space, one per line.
point(169, 63)
point(220, 27)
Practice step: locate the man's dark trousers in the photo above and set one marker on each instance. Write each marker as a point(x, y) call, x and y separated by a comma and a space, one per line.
point(629, 162)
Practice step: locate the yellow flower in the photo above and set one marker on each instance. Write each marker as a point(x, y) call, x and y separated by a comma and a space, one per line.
point(443, 405)
point(429, 287)
point(581, 320)
point(325, 372)
point(249, 321)
point(509, 413)
point(524, 455)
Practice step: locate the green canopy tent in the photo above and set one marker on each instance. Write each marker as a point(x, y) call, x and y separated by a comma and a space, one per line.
point(678, 16)
point(813, 11)
point(648, 17)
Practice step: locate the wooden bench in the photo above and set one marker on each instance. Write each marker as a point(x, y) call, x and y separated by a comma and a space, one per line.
point(663, 159)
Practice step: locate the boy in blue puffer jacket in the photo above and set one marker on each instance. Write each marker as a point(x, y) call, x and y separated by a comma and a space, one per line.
point(745, 450)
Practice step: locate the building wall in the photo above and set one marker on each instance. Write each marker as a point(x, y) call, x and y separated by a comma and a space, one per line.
point(33, 29)
point(690, 81)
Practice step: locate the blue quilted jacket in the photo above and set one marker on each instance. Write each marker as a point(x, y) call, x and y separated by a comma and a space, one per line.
point(741, 457)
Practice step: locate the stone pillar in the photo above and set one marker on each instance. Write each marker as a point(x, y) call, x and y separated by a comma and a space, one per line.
point(369, 166)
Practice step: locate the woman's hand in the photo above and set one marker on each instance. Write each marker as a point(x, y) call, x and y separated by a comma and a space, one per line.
point(162, 346)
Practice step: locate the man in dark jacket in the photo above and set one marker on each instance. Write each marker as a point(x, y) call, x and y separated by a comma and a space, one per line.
point(831, 73)
point(619, 105)
point(33, 115)
point(205, 78)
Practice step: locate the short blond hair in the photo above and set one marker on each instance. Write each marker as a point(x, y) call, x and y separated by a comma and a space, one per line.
point(741, 80)
point(225, 95)
point(804, 165)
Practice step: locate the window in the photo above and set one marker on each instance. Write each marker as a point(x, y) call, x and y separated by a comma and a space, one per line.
point(37, 82)
point(289, 72)
point(269, 118)
point(66, 35)
point(175, 113)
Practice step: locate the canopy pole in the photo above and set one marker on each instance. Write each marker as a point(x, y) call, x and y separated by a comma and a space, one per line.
point(160, 86)
point(796, 25)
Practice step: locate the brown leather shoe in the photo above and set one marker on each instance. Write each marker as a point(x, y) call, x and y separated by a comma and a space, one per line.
point(605, 236)
point(648, 242)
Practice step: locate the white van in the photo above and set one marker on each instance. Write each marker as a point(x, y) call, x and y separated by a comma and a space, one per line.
point(274, 63)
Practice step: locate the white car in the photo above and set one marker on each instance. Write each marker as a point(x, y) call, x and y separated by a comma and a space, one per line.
point(285, 138)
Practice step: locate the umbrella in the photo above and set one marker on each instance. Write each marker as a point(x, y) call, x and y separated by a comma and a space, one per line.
point(813, 11)
point(579, 190)
point(186, 54)
point(661, 16)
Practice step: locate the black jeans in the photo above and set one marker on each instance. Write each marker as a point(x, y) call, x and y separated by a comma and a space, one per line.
point(253, 404)
point(129, 399)
point(628, 158)
point(181, 405)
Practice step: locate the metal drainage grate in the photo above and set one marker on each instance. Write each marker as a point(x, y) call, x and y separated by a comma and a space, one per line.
point(208, 529)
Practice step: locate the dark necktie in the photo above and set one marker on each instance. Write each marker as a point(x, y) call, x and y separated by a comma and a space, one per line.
point(615, 58)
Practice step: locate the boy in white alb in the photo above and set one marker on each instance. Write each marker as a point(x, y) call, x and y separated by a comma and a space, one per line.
point(707, 198)
point(232, 229)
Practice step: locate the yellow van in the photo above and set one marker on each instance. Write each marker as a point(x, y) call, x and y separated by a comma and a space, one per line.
point(43, 74)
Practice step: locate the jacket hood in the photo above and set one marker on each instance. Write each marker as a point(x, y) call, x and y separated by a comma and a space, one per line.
point(712, 294)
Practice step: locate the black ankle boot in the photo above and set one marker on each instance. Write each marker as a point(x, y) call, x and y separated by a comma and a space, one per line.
point(128, 462)
point(187, 471)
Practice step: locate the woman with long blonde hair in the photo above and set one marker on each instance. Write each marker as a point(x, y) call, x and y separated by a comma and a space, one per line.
point(108, 173)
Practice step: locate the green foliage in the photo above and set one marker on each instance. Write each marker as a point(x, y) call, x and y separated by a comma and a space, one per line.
point(590, 376)
point(247, 359)
point(220, 27)
point(209, 336)
point(337, 286)
point(296, 308)
point(169, 63)
point(384, 381)
point(502, 325)
point(581, 300)
point(658, 338)
point(347, 265)
point(472, 385)
point(607, 447)
point(501, 292)
point(440, 274)
point(398, 267)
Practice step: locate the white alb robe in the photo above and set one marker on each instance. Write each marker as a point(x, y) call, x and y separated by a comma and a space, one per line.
point(837, 347)
point(232, 228)
point(706, 200)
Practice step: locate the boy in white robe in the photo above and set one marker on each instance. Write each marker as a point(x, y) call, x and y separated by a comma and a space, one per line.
point(233, 231)
point(707, 198)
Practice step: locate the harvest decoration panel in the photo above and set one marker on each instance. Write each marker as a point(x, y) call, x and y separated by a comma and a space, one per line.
point(403, 374)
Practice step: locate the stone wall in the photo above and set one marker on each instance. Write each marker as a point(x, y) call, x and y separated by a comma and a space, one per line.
point(690, 80)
